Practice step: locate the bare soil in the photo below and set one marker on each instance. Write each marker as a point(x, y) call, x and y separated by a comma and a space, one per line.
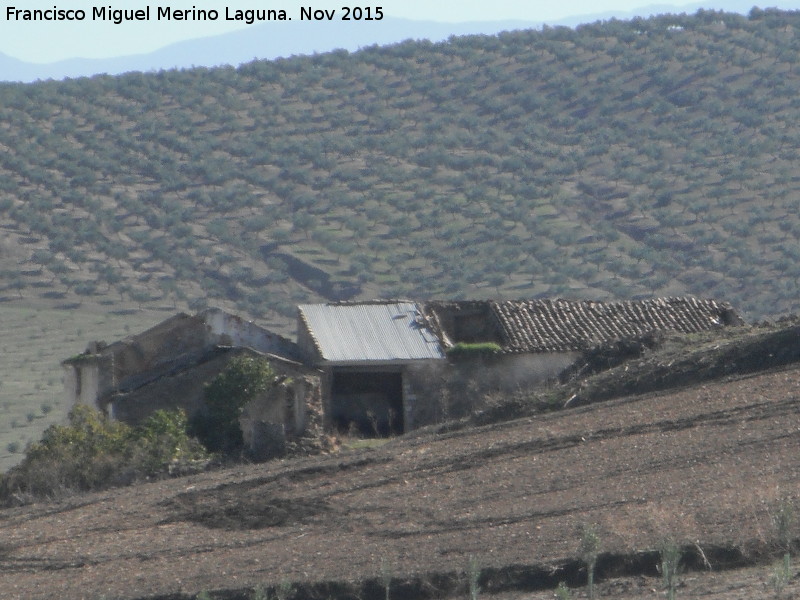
point(705, 466)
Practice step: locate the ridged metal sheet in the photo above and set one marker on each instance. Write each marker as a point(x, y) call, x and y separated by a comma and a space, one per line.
point(381, 331)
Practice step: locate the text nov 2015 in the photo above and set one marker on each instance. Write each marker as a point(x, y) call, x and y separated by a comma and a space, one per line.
point(348, 13)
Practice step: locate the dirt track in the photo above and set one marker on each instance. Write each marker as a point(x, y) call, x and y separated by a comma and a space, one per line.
point(703, 466)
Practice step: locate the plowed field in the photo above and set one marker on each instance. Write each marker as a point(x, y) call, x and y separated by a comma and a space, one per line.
point(704, 466)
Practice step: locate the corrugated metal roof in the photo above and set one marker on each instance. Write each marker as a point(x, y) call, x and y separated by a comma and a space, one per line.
point(370, 331)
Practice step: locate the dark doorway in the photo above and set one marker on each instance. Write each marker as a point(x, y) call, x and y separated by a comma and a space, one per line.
point(369, 402)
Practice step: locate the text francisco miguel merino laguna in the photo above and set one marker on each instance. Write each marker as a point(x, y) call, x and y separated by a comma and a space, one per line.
point(166, 13)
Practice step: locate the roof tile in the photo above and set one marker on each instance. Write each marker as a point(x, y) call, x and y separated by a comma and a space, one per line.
point(571, 325)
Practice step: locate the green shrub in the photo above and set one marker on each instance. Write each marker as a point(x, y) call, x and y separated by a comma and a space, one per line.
point(469, 350)
point(162, 442)
point(91, 452)
point(783, 521)
point(670, 566)
point(386, 577)
point(243, 379)
point(781, 575)
point(589, 551)
point(260, 593)
point(473, 575)
point(284, 590)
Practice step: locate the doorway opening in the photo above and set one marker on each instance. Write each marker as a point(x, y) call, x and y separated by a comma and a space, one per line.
point(367, 402)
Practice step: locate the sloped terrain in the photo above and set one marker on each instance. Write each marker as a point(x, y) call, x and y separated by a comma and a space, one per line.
point(617, 160)
point(614, 160)
point(706, 466)
point(35, 341)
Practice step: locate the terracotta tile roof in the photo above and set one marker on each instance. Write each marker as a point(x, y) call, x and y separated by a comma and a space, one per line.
point(570, 325)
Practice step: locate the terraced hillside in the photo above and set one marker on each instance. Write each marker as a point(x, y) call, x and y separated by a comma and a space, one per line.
point(707, 467)
point(617, 159)
point(35, 341)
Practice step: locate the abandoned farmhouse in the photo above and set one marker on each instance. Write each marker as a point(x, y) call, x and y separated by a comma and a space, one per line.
point(382, 366)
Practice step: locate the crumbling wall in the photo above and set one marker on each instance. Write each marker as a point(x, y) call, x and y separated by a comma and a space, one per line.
point(463, 321)
point(288, 417)
point(81, 383)
point(72, 384)
point(135, 361)
point(225, 329)
point(425, 395)
point(270, 423)
point(306, 344)
point(269, 407)
point(183, 389)
point(264, 421)
point(511, 372)
point(162, 351)
point(446, 390)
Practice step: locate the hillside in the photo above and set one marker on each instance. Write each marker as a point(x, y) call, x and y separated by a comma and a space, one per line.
point(706, 466)
point(619, 159)
point(614, 160)
point(35, 341)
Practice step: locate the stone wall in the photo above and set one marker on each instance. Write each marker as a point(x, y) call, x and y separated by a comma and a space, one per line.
point(82, 383)
point(281, 415)
point(435, 392)
point(183, 389)
point(163, 351)
point(268, 422)
point(226, 329)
